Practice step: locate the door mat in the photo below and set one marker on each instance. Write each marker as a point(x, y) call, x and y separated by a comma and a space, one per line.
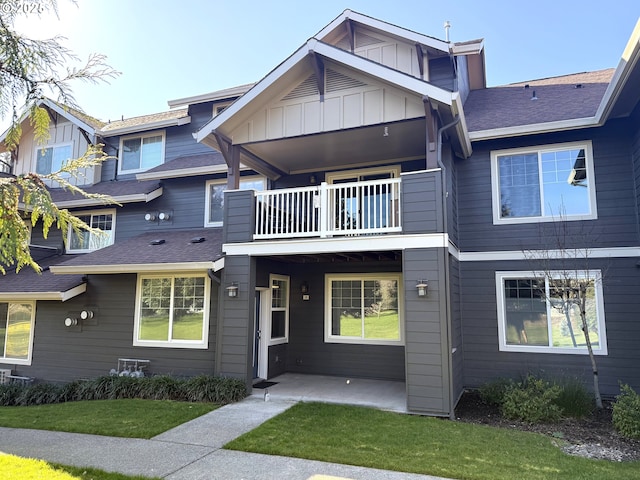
point(264, 384)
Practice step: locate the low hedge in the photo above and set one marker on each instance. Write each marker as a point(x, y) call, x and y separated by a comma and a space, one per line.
point(203, 388)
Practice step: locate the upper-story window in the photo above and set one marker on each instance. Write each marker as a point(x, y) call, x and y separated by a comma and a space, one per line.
point(103, 220)
point(52, 158)
point(141, 152)
point(214, 206)
point(542, 184)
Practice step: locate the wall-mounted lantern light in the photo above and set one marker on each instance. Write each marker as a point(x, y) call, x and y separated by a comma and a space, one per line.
point(70, 322)
point(304, 288)
point(232, 290)
point(422, 287)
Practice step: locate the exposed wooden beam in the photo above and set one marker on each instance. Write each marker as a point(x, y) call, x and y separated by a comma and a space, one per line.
point(318, 70)
point(420, 55)
point(351, 34)
point(261, 166)
point(231, 156)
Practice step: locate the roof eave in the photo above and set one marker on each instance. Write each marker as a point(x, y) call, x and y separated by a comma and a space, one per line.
point(91, 202)
point(218, 95)
point(172, 122)
point(533, 129)
point(388, 28)
point(187, 172)
point(628, 62)
point(133, 268)
point(61, 296)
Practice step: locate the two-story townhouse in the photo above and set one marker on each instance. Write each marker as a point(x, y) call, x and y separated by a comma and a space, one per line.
point(382, 230)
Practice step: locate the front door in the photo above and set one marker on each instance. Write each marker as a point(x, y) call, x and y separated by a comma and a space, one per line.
point(260, 346)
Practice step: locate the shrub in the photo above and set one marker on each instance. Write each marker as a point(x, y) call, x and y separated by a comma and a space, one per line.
point(493, 392)
point(574, 399)
point(39, 394)
point(161, 387)
point(626, 412)
point(9, 394)
point(532, 401)
point(221, 390)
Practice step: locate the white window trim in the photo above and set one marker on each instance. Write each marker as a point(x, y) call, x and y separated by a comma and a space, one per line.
point(223, 181)
point(70, 232)
point(595, 275)
point(18, 361)
point(141, 137)
point(285, 339)
point(193, 344)
point(495, 183)
point(329, 338)
point(39, 148)
point(331, 177)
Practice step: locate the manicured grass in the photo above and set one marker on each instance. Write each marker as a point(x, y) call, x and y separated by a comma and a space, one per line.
point(407, 443)
point(384, 326)
point(16, 468)
point(117, 418)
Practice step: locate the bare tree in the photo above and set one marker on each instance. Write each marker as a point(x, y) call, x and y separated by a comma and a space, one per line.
point(570, 282)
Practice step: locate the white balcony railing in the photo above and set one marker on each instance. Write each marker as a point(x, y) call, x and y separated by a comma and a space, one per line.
point(358, 208)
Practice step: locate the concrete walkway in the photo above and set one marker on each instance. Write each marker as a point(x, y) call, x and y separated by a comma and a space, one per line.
point(190, 451)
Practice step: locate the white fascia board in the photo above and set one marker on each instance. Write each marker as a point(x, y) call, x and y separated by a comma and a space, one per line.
point(548, 127)
point(55, 296)
point(171, 122)
point(337, 244)
point(227, 93)
point(187, 172)
point(72, 118)
point(91, 202)
point(461, 127)
point(384, 28)
point(471, 48)
point(218, 264)
point(496, 256)
point(628, 62)
point(250, 95)
point(131, 268)
point(383, 72)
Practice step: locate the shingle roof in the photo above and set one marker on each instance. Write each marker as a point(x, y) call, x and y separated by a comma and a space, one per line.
point(559, 98)
point(88, 119)
point(116, 189)
point(28, 281)
point(177, 248)
point(144, 120)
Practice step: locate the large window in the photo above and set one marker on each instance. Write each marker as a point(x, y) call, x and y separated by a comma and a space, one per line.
point(88, 241)
point(172, 311)
point(363, 308)
point(214, 209)
point(540, 313)
point(141, 152)
point(16, 332)
point(279, 309)
point(548, 183)
point(52, 158)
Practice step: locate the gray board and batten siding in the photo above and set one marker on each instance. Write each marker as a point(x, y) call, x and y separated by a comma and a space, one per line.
point(62, 354)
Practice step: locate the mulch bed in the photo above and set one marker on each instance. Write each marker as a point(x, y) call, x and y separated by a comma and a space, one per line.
point(595, 431)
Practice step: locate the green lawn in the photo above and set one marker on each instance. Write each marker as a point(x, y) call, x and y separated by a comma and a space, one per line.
point(384, 326)
point(156, 327)
point(116, 418)
point(408, 443)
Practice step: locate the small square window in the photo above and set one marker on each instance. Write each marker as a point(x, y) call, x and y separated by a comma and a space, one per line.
point(214, 202)
point(52, 158)
point(87, 241)
point(141, 153)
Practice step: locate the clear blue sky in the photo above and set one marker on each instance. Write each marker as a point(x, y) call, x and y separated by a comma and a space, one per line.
point(172, 49)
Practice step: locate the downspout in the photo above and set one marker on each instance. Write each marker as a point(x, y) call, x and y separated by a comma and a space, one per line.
point(445, 195)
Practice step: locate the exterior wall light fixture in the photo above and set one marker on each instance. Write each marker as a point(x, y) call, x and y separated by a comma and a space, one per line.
point(164, 216)
point(70, 322)
point(422, 288)
point(232, 290)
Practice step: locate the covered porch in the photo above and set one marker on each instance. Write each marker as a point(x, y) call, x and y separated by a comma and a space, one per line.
point(381, 394)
